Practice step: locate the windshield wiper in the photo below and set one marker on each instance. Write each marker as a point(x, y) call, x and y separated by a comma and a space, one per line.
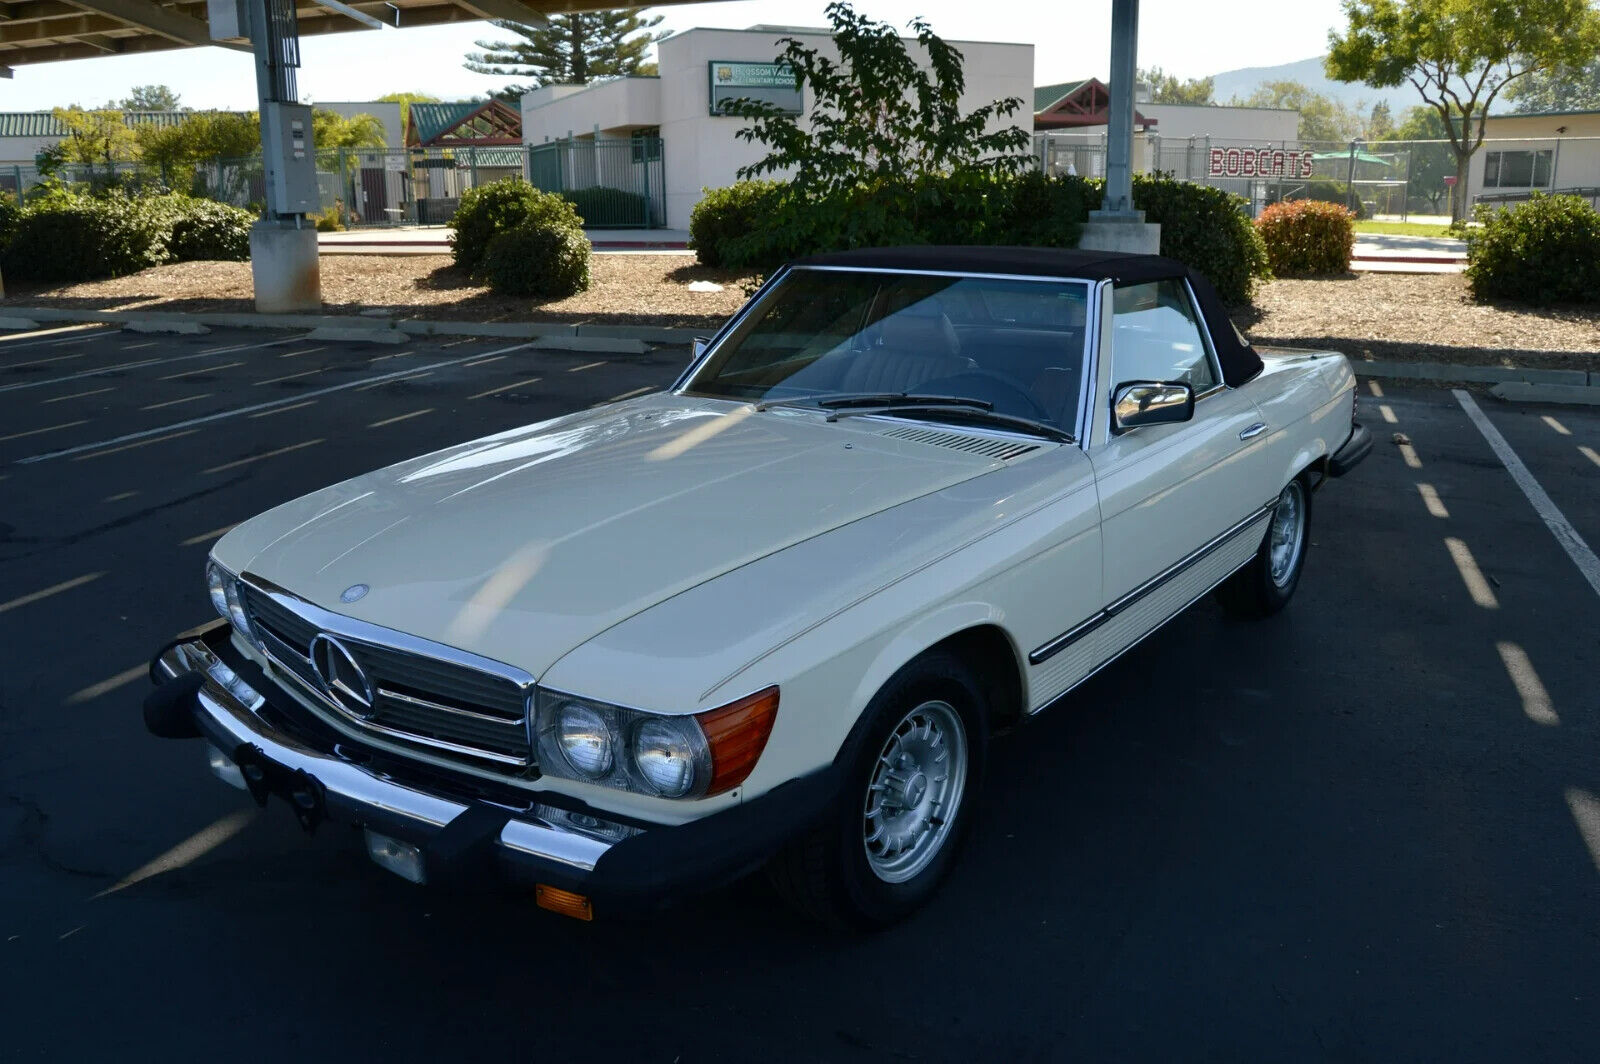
point(849, 399)
point(974, 412)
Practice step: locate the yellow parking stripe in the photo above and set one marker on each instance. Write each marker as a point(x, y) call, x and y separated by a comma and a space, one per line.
point(74, 395)
point(130, 446)
point(260, 457)
point(629, 395)
point(1591, 454)
point(205, 537)
point(402, 417)
point(52, 428)
point(175, 402)
point(53, 589)
point(34, 334)
point(95, 690)
point(119, 496)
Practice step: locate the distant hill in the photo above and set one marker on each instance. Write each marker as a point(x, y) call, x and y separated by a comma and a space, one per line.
point(1308, 72)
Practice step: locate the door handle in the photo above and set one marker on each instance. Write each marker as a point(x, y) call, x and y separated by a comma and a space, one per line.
point(1253, 431)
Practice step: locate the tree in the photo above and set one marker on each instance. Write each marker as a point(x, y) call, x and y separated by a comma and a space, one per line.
point(405, 100)
point(571, 49)
point(1164, 88)
point(148, 98)
point(1561, 89)
point(1380, 124)
point(95, 137)
point(332, 130)
point(1321, 117)
point(1460, 55)
point(202, 137)
point(1431, 160)
point(880, 117)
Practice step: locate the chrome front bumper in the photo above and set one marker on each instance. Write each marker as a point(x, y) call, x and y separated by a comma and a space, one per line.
point(538, 838)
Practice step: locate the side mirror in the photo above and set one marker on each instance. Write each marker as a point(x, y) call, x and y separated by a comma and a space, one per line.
point(1137, 403)
point(698, 347)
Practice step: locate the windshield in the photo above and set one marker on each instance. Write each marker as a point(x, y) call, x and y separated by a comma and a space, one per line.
point(1016, 347)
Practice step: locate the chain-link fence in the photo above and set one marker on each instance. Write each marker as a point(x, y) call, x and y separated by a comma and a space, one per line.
point(613, 183)
point(1387, 181)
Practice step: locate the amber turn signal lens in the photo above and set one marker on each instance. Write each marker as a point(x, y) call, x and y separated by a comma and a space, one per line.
point(563, 901)
point(737, 733)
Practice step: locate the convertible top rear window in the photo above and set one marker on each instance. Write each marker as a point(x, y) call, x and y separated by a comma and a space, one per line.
point(1016, 344)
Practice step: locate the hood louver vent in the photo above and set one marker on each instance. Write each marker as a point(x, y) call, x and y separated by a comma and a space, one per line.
point(988, 447)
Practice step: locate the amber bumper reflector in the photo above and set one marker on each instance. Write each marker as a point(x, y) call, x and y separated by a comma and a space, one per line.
point(563, 901)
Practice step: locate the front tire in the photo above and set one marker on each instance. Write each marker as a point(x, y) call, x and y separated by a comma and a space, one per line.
point(910, 776)
point(1265, 585)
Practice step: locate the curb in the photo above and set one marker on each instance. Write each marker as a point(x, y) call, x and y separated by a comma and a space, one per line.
point(1444, 371)
point(1521, 392)
point(601, 339)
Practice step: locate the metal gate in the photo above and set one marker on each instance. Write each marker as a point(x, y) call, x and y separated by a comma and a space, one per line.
point(615, 182)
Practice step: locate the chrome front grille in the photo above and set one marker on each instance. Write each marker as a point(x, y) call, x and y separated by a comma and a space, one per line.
point(423, 693)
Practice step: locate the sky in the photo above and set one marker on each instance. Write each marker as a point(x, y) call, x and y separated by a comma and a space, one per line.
point(1071, 40)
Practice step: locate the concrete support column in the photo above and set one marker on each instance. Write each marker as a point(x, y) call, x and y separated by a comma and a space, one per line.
point(283, 244)
point(284, 267)
point(1116, 226)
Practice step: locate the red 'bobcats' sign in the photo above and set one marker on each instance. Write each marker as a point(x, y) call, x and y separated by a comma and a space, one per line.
point(1258, 162)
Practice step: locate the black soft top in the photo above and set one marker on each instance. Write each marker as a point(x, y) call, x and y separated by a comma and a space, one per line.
point(1239, 360)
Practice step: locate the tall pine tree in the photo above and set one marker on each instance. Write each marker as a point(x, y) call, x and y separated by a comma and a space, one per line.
point(571, 49)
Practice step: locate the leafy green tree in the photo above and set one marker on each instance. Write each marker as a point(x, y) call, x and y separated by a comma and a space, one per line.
point(571, 49)
point(148, 98)
point(1321, 117)
point(879, 115)
point(1460, 55)
point(202, 137)
point(96, 137)
point(1431, 159)
point(1561, 89)
point(1380, 123)
point(331, 130)
point(405, 100)
point(1165, 88)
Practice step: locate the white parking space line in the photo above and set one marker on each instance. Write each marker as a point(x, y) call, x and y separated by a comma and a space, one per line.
point(36, 336)
point(284, 409)
point(119, 496)
point(289, 377)
point(175, 402)
point(1375, 388)
point(252, 408)
point(1430, 499)
point(399, 418)
point(1554, 519)
point(1557, 426)
point(144, 362)
point(106, 686)
point(41, 361)
point(198, 369)
point(129, 446)
point(206, 537)
point(1471, 575)
point(76, 395)
point(1586, 815)
point(297, 354)
point(580, 369)
point(52, 428)
point(262, 457)
point(629, 395)
point(53, 589)
point(139, 347)
point(483, 361)
point(506, 387)
point(1535, 699)
point(186, 852)
point(1591, 454)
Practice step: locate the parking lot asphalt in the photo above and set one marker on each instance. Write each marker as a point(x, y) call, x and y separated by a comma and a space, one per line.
point(1367, 829)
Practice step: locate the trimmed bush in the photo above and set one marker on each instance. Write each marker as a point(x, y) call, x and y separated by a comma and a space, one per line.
point(500, 206)
point(10, 216)
point(544, 261)
point(724, 214)
point(1307, 237)
point(1204, 228)
point(207, 230)
point(1042, 211)
point(1546, 250)
point(1327, 190)
point(84, 239)
point(600, 205)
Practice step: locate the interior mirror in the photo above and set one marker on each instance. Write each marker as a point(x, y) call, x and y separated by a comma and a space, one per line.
point(1137, 403)
point(698, 347)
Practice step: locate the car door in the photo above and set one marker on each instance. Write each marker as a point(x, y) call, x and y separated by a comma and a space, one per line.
point(1181, 505)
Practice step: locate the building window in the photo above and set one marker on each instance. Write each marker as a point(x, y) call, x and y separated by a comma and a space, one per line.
point(1517, 169)
point(646, 145)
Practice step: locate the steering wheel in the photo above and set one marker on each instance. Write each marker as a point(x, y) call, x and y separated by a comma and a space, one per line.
point(978, 383)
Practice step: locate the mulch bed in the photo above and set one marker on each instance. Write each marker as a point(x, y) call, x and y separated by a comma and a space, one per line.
point(1390, 317)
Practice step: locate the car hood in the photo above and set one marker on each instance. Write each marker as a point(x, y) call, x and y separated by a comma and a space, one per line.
point(522, 546)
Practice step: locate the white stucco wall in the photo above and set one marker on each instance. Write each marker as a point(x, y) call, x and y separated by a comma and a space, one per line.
point(20, 151)
point(1576, 151)
point(1249, 125)
point(701, 150)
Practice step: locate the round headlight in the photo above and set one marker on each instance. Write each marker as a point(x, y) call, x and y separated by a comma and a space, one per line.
point(585, 740)
point(236, 613)
point(665, 753)
point(217, 584)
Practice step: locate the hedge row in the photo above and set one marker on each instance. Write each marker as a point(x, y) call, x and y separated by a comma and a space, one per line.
point(66, 237)
point(760, 225)
point(1544, 251)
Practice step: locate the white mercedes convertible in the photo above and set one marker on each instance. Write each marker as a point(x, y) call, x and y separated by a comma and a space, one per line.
point(769, 616)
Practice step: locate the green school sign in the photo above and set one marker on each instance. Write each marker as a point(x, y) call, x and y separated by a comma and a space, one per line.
point(772, 83)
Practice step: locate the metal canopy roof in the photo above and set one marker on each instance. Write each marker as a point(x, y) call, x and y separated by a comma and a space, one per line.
point(45, 31)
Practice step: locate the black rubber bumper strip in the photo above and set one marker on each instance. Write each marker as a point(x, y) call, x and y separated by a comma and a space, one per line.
point(1357, 447)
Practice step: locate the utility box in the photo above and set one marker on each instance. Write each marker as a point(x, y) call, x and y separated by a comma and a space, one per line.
point(229, 20)
point(290, 159)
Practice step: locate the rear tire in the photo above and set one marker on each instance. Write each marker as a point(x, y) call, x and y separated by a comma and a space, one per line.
point(1265, 585)
point(912, 769)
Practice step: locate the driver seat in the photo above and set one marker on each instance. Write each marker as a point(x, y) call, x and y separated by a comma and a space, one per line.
point(918, 344)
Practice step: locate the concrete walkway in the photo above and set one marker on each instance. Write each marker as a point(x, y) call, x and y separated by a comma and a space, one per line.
point(1391, 253)
point(435, 240)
